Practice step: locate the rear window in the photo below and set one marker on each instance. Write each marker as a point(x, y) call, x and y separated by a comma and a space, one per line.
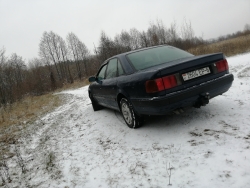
point(156, 56)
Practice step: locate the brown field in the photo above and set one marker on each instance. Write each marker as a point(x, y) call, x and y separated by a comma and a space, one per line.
point(229, 47)
point(29, 108)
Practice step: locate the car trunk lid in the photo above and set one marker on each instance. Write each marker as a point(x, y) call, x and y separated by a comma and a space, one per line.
point(190, 71)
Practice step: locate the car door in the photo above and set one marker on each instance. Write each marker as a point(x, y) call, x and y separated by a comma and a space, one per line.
point(96, 87)
point(109, 84)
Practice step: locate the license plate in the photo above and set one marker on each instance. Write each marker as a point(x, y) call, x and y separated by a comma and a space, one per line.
point(195, 74)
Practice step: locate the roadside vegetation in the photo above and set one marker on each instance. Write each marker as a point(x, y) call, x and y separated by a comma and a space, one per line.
point(31, 107)
point(229, 47)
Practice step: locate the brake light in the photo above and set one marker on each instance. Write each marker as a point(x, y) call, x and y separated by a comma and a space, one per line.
point(169, 81)
point(222, 65)
point(153, 86)
point(161, 84)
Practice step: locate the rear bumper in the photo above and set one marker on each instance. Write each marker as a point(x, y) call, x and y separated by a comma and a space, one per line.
point(184, 98)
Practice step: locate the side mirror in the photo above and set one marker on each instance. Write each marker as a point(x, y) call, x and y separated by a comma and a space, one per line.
point(92, 79)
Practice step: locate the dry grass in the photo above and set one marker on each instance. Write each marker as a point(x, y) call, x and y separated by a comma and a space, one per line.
point(24, 111)
point(29, 108)
point(229, 47)
point(75, 85)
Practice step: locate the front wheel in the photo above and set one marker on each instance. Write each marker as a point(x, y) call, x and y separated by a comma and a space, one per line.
point(131, 118)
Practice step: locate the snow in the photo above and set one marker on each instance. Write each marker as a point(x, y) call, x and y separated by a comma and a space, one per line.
point(74, 146)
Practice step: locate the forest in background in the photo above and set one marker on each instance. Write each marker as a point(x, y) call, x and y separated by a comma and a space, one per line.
point(64, 61)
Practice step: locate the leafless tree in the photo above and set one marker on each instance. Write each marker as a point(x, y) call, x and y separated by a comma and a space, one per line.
point(135, 38)
point(144, 39)
point(162, 32)
point(187, 32)
point(107, 47)
point(2, 77)
point(12, 76)
point(173, 33)
point(152, 34)
point(124, 40)
point(53, 50)
point(16, 75)
point(17, 65)
point(78, 52)
point(2, 56)
point(47, 52)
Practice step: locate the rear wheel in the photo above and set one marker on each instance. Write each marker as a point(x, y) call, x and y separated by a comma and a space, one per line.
point(95, 105)
point(131, 118)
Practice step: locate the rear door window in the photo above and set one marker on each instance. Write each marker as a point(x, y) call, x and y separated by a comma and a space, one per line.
point(120, 69)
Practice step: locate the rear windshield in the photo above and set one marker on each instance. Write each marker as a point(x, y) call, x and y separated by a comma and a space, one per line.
point(156, 56)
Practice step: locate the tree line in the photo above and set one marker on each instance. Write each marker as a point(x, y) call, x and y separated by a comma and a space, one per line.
point(63, 61)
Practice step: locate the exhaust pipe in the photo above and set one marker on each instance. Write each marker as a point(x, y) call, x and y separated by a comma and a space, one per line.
point(178, 111)
point(203, 100)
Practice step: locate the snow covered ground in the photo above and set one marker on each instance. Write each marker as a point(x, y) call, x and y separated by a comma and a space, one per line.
point(76, 147)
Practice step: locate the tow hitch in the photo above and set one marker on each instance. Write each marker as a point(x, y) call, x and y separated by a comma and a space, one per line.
point(202, 100)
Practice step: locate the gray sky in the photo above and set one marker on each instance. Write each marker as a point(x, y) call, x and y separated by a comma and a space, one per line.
point(22, 22)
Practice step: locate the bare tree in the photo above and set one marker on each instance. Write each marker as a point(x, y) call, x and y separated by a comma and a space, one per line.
point(153, 35)
point(125, 40)
point(78, 52)
point(53, 50)
point(144, 40)
point(107, 47)
point(3, 99)
point(84, 54)
point(173, 33)
point(187, 32)
point(17, 65)
point(135, 38)
point(12, 76)
point(162, 32)
point(47, 52)
point(64, 58)
point(16, 74)
point(2, 56)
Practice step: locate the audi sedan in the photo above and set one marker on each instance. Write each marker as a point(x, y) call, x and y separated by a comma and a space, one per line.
point(158, 80)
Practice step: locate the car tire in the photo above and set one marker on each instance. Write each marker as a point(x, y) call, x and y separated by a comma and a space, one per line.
point(131, 118)
point(95, 105)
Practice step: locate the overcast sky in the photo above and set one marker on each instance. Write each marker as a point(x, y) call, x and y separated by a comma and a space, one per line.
point(22, 22)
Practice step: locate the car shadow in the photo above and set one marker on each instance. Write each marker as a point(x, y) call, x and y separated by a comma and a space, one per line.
point(190, 119)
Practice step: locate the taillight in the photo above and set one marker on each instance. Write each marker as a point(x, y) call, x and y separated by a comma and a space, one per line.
point(169, 81)
point(222, 65)
point(153, 86)
point(161, 84)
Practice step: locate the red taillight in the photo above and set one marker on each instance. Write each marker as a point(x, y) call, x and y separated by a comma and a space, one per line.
point(161, 84)
point(169, 81)
point(153, 86)
point(222, 65)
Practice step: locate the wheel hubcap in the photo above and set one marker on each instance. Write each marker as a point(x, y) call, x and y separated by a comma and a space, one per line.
point(126, 113)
